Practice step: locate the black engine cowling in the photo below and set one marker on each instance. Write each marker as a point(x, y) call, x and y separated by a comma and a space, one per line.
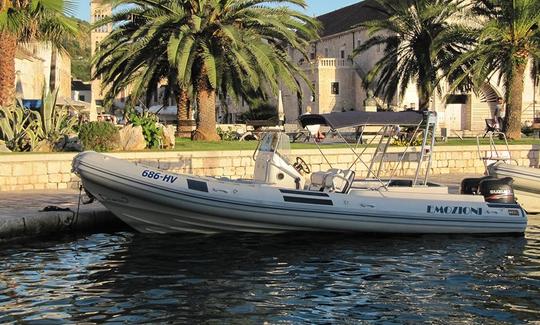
point(470, 185)
point(497, 190)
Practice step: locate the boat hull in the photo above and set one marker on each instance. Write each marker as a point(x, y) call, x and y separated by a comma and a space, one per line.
point(207, 205)
point(526, 183)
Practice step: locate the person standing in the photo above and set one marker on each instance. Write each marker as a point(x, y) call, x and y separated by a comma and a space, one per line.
point(498, 114)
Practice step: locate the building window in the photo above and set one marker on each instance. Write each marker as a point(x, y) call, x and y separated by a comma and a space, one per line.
point(342, 54)
point(313, 97)
point(335, 88)
point(82, 98)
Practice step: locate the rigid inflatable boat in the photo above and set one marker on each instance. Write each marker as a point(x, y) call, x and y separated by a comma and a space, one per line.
point(285, 196)
point(499, 163)
point(526, 183)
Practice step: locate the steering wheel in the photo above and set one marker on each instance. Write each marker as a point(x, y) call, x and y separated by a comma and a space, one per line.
point(301, 166)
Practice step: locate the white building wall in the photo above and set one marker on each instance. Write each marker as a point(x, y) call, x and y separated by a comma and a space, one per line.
point(30, 80)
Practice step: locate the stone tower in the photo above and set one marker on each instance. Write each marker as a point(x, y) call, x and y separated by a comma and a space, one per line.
point(98, 11)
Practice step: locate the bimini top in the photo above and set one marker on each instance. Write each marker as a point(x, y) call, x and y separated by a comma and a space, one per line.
point(338, 120)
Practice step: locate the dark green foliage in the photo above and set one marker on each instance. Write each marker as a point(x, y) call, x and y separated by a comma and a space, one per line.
point(151, 131)
point(260, 110)
point(99, 136)
point(419, 40)
point(226, 48)
point(80, 52)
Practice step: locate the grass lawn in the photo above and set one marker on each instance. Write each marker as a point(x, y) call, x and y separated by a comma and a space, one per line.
point(183, 144)
point(472, 142)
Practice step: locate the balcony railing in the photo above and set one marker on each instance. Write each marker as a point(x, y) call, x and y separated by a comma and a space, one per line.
point(326, 63)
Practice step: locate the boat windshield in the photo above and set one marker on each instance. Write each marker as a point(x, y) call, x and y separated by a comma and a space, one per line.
point(276, 142)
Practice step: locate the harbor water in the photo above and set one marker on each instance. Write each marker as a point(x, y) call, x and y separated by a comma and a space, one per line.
point(290, 278)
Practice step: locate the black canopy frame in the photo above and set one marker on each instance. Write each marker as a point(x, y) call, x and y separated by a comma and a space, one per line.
point(390, 123)
point(339, 120)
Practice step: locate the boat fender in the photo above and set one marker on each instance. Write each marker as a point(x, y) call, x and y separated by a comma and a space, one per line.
point(470, 185)
point(498, 190)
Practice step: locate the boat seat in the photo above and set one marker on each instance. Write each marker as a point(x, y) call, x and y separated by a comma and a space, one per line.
point(339, 181)
point(318, 180)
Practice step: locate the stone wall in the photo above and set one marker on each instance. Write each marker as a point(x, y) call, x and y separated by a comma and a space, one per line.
point(21, 172)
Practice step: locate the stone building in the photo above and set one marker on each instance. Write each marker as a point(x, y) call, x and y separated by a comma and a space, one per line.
point(39, 66)
point(337, 79)
point(81, 91)
point(98, 11)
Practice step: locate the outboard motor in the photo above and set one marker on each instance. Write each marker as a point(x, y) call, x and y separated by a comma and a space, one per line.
point(470, 185)
point(498, 190)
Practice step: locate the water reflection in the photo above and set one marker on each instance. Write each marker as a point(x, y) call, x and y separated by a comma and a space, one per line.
point(292, 278)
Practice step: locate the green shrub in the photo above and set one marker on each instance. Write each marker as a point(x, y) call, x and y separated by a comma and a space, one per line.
point(99, 136)
point(151, 131)
point(527, 130)
point(227, 135)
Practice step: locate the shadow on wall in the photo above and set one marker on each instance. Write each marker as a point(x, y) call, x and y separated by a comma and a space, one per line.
point(534, 156)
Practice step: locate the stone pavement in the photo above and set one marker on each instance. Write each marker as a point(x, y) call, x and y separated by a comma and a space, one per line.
point(22, 215)
point(17, 203)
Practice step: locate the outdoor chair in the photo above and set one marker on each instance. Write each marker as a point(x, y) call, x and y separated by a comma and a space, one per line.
point(493, 125)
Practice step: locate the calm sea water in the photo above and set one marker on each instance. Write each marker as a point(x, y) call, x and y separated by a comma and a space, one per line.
point(292, 278)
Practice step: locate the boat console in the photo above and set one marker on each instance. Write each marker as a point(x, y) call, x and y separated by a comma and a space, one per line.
point(272, 163)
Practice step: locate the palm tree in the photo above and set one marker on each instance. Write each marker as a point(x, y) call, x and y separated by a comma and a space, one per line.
point(414, 52)
point(535, 76)
point(212, 45)
point(507, 37)
point(25, 21)
point(134, 57)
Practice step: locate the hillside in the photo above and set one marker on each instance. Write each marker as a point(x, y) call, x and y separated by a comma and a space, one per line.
point(80, 52)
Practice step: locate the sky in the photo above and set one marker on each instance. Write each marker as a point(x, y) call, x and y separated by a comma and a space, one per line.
point(315, 7)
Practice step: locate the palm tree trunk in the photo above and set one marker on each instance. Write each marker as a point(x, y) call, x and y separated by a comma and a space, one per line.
point(512, 125)
point(206, 100)
point(424, 94)
point(184, 124)
point(206, 126)
point(8, 47)
point(423, 103)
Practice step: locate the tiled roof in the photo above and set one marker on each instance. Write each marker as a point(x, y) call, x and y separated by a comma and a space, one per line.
point(80, 85)
point(346, 18)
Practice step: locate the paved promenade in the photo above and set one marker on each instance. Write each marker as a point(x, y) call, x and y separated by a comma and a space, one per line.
point(31, 214)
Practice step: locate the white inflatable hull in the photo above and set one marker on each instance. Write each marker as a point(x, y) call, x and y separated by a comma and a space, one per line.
point(526, 183)
point(154, 201)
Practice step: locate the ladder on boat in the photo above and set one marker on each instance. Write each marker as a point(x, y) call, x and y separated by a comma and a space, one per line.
point(426, 154)
point(494, 152)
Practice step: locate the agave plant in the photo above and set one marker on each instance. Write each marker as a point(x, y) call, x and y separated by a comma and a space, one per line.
point(53, 123)
point(18, 127)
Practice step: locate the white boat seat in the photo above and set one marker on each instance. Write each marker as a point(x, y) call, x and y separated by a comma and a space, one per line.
point(339, 180)
point(318, 180)
point(335, 183)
